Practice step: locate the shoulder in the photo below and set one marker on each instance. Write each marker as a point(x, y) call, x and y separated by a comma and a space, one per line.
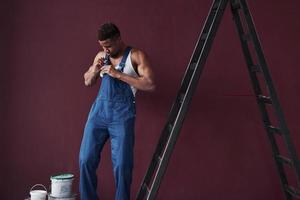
point(99, 55)
point(138, 56)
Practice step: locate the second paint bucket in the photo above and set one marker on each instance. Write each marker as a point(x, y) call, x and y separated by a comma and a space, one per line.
point(61, 185)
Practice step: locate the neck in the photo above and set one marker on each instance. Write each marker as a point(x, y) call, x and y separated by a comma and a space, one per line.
point(121, 50)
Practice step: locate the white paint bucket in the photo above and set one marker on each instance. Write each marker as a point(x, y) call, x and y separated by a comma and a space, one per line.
point(38, 194)
point(61, 185)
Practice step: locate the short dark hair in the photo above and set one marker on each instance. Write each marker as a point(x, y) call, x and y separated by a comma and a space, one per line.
point(108, 30)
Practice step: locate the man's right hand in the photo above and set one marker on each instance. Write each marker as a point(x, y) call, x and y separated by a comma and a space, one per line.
point(94, 72)
point(96, 67)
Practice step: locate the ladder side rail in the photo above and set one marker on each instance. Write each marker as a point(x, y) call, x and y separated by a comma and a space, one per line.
point(154, 162)
point(257, 90)
point(176, 106)
point(196, 52)
point(199, 44)
point(278, 110)
point(186, 102)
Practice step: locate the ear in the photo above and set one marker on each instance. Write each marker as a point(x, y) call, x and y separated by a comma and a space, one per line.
point(100, 42)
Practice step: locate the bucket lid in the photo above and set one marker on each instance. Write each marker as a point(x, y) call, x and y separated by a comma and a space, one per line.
point(62, 177)
point(38, 192)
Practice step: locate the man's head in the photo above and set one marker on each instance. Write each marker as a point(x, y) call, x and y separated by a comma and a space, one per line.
point(109, 38)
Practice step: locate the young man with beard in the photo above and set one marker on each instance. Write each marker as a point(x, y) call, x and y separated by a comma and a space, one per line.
point(123, 71)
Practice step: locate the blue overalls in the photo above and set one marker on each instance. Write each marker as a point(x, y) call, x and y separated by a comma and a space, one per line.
point(112, 116)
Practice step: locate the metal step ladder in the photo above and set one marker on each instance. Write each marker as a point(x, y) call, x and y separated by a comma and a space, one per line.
point(170, 132)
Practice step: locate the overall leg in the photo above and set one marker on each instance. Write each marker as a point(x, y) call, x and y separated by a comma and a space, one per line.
point(93, 141)
point(122, 143)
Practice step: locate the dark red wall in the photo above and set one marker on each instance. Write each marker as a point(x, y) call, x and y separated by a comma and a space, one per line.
point(222, 152)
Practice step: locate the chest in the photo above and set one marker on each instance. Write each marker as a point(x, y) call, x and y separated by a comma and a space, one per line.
point(116, 61)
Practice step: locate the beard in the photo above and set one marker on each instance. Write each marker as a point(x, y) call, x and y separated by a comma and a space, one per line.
point(114, 54)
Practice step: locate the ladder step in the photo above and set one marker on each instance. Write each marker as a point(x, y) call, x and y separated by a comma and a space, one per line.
point(146, 188)
point(193, 66)
point(159, 159)
point(284, 160)
point(215, 6)
point(265, 99)
point(170, 127)
point(204, 36)
point(255, 68)
point(181, 97)
point(246, 37)
point(274, 129)
point(236, 5)
point(292, 191)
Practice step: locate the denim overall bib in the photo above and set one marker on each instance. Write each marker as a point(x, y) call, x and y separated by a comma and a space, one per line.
point(112, 116)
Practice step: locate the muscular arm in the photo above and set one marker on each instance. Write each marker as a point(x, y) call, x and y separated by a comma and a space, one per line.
point(145, 80)
point(91, 75)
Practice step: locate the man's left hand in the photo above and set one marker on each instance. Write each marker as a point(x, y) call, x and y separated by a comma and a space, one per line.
point(110, 70)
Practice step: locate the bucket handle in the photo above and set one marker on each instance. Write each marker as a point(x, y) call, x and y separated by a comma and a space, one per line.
point(39, 185)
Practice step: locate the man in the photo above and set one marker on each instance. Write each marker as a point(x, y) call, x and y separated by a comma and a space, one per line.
point(124, 70)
